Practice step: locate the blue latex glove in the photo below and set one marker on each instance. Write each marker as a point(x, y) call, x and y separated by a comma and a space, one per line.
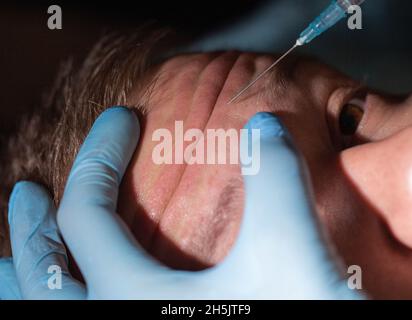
point(279, 252)
point(9, 288)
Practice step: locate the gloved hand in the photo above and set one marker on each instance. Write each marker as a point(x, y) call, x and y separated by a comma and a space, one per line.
point(279, 252)
point(9, 288)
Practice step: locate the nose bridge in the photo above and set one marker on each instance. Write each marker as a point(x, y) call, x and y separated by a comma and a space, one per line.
point(387, 116)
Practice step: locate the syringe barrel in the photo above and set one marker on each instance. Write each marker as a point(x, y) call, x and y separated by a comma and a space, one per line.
point(336, 11)
point(347, 3)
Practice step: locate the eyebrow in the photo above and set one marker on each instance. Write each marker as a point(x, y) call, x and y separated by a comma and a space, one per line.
point(283, 75)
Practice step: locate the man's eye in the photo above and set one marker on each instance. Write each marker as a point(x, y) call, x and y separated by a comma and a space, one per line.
point(350, 117)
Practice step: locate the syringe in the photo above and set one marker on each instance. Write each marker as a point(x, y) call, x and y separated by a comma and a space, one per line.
point(336, 11)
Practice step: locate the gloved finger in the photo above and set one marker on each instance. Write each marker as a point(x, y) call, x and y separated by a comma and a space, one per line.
point(9, 287)
point(98, 239)
point(280, 231)
point(39, 255)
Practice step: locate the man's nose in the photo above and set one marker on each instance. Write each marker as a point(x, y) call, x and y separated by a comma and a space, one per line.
point(382, 174)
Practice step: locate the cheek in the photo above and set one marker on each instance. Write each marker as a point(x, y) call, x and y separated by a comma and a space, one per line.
point(382, 173)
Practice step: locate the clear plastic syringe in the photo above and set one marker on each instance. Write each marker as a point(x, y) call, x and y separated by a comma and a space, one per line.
point(335, 12)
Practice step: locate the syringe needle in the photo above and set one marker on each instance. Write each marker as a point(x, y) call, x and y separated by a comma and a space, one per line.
point(261, 75)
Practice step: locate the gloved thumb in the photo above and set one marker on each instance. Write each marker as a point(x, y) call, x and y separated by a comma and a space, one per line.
point(9, 287)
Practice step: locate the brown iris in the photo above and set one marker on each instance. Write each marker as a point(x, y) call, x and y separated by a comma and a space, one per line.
point(349, 119)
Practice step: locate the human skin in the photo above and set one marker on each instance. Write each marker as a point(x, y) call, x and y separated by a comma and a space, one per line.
point(361, 182)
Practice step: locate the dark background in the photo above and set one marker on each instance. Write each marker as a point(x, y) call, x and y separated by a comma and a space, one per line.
point(30, 53)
